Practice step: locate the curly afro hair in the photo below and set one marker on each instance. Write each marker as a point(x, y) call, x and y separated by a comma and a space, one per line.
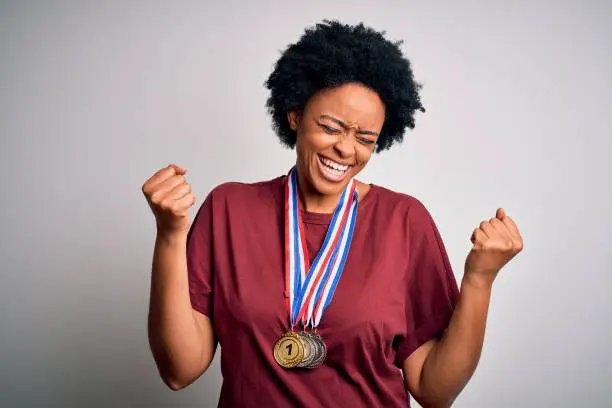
point(331, 54)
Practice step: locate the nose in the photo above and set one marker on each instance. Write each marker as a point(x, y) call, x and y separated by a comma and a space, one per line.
point(345, 146)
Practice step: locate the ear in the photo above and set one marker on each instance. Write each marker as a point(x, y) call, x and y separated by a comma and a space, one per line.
point(293, 118)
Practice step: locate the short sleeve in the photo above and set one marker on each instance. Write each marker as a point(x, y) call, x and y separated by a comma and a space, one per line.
point(432, 292)
point(200, 259)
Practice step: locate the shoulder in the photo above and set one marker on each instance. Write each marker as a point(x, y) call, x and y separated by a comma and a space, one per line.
point(233, 190)
point(239, 201)
point(400, 204)
point(244, 197)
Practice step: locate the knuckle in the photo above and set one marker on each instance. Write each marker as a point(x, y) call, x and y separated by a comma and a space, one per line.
point(156, 196)
point(167, 173)
point(166, 205)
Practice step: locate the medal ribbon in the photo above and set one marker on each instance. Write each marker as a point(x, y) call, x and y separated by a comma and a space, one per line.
point(310, 288)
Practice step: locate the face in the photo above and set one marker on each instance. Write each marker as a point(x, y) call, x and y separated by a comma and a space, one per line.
point(336, 135)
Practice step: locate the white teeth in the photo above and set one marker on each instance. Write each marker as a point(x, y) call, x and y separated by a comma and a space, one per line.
point(334, 171)
point(340, 168)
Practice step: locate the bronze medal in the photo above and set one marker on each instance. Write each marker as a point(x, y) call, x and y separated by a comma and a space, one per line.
point(289, 350)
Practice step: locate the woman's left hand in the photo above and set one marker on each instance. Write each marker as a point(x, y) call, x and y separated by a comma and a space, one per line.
point(496, 242)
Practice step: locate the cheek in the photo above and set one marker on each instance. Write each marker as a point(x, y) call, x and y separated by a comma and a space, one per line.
point(312, 142)
point(303, 144)
point(305, 148)
point(317, 140)
point(364, 153)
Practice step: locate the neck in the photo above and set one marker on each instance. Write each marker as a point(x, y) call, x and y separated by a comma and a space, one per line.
point(313, 201)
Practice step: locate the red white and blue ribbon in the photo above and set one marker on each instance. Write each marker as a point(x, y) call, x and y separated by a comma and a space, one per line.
point(310, 288)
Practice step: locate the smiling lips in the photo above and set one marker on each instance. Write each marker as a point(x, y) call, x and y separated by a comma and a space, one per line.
point(331, 170)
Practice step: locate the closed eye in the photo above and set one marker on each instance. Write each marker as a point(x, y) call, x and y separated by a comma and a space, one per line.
point(365, 141)
point(329, 129)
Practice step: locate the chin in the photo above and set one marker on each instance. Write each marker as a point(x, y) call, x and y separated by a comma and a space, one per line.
point(324, 187)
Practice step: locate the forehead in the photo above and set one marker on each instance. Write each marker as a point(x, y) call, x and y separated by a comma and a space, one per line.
point(351, 103)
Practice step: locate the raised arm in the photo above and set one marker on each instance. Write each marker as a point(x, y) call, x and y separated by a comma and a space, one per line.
point(439, 369)
point(182, 339)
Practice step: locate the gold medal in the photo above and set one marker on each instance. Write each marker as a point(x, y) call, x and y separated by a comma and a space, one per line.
point(289, 350)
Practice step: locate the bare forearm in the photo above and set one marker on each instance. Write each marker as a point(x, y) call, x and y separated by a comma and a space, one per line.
point(174, 335)
point(453, 360)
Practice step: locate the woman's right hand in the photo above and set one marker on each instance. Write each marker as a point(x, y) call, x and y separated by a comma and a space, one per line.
point(170, 197)
point(182, 339)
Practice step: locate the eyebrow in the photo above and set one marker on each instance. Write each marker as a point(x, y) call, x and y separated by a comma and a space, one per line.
point(344, 125)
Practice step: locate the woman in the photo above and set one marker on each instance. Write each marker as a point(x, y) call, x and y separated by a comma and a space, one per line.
point(321, 290)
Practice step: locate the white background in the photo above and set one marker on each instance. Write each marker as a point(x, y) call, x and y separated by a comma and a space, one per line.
point(95, 96)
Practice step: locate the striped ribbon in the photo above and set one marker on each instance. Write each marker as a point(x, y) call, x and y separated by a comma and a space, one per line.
point(310, 288)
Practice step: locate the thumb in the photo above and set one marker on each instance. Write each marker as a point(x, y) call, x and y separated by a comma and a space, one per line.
point(500, 214)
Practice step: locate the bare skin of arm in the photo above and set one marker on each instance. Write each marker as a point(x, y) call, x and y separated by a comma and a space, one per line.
point(182, 339)
point(439, 370)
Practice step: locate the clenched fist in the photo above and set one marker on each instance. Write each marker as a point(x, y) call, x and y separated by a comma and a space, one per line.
point(169, 196)
point(496, 242)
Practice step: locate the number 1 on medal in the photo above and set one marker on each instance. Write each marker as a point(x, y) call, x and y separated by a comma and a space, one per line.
point(289, 348)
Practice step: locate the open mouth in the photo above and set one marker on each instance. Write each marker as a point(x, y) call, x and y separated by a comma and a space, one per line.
point(331, 170)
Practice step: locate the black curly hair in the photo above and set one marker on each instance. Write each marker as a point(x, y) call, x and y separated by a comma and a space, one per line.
point(331, 54)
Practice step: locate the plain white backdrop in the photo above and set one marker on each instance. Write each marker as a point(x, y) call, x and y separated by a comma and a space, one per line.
point(95, 96)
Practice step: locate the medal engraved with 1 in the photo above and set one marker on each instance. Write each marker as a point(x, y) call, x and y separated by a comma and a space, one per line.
point(310, 288)
point(289, 350)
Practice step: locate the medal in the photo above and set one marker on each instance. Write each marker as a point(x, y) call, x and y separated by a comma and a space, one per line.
point(289, 350)
point(310, 288)
point(321, 353)
point(311, 351)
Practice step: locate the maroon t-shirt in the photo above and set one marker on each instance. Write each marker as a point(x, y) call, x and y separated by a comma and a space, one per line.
point(397, 291)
